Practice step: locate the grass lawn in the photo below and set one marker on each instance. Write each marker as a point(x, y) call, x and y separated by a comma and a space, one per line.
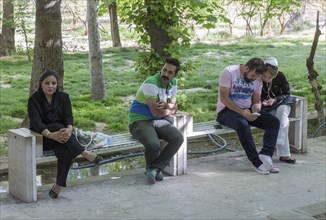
point(122, 82)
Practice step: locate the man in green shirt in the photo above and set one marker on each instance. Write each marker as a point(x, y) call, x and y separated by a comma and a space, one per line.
point(154, 100)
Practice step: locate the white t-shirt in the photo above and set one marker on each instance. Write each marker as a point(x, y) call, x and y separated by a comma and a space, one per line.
point(240, 91)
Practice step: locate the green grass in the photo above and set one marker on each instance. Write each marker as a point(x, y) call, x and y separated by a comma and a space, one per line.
point(121, 80)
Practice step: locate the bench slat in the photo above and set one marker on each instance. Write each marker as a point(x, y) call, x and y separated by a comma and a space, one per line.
point(124, 142)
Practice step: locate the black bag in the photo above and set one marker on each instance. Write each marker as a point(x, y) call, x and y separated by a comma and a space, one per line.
point(290, 100)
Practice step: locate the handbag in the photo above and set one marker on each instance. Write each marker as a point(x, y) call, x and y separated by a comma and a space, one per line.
point(91, 140)
point(290, 100)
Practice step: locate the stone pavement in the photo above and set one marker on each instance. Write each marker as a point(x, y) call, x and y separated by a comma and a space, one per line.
point(222, 186)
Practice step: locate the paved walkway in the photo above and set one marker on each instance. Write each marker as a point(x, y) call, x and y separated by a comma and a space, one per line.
point(220, 186)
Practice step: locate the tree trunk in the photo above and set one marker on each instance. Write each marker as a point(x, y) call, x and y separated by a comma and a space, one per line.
point(316, 87)
point(48, 41)
point(47, 44)
point(263, 27)
point(7, 38)
point(159, 37)
point(98, 90)
point(116, 42)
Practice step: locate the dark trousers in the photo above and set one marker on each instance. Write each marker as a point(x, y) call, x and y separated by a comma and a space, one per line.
point(269, 123)
point(65, 153)
point(149, 134)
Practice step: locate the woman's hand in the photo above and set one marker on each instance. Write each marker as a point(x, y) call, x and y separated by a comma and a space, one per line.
point(61, 136)
point(65, 134)
point(269, 102)
point(57, 137)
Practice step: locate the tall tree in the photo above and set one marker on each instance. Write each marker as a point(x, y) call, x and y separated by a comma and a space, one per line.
point(48, 41)
point(116, 42)
point(22, 15)
point(98, 90)
point(249, 9)
point(268, 7)
point(47, 44)
point(281, 9)
point(7, 37)
point(285, 12)
point(164, 27)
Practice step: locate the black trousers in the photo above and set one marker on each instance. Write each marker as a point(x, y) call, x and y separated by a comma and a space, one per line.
point(65, 153)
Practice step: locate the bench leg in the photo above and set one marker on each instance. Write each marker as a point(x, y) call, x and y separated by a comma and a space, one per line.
point(298, 128)
point(22, 165)
point(178, 164)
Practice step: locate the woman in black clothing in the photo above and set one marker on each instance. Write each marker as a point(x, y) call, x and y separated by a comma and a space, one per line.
point(50, 114)
point(276, 89)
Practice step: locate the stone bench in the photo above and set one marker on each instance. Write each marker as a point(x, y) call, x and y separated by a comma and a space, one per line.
point(297, 129)
point(25, 148)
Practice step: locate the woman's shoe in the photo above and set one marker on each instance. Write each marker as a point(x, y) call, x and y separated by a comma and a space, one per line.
point(288, 160)
point(98, 159)
point(53, 194)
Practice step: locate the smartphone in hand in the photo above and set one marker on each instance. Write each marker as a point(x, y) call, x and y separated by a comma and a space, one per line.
point(255, 114)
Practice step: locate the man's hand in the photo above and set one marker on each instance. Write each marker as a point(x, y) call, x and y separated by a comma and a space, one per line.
point(249, 116)
point(161, 104)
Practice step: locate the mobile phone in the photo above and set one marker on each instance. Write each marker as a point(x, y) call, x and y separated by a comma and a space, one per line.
point(256, 114)
point(157, 100)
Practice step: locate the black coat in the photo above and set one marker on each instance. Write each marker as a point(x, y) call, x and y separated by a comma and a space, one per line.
point(41, 113)
point(280, 88)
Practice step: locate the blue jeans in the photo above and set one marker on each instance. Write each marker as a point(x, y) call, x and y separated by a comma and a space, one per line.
point(269, 123)
point(149, 134)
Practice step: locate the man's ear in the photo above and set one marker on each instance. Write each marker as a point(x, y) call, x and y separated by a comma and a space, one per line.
point(246, 69)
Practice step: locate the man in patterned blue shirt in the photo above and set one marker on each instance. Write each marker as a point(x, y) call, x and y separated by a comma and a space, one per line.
point(154, 100)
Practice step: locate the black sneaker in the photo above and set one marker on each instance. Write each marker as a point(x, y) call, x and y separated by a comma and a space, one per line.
point(151, 175)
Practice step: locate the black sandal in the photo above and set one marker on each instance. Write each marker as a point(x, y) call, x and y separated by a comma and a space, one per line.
point(98, 159)
point(288, 160)
point(53, 194)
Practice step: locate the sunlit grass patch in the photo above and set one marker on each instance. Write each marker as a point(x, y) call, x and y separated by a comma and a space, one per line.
point(122, 83)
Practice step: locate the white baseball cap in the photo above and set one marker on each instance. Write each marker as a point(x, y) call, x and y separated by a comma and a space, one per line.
point(271, 61)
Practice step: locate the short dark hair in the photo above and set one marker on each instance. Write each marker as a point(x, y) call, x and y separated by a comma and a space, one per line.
point(256, 64)
point(175, 62)
point(45, 74)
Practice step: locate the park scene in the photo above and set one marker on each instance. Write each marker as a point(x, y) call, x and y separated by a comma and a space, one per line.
point(103, 51)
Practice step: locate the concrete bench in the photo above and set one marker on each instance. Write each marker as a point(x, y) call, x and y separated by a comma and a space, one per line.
point(25, 149)
point(297, 129)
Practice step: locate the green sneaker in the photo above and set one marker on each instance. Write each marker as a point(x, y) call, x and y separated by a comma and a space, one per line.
point(159, 176)
point(151, 174)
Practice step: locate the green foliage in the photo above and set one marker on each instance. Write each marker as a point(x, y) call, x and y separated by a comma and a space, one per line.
point(7, 123)
point(22, 17)
point(176, 17)
point(197, 92)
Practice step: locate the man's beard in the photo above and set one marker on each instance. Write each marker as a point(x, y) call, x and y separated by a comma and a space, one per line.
point(246, 78)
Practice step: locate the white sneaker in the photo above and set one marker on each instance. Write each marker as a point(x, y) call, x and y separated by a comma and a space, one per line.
point(261, 169)
point(274, 169)
point(267, 161)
